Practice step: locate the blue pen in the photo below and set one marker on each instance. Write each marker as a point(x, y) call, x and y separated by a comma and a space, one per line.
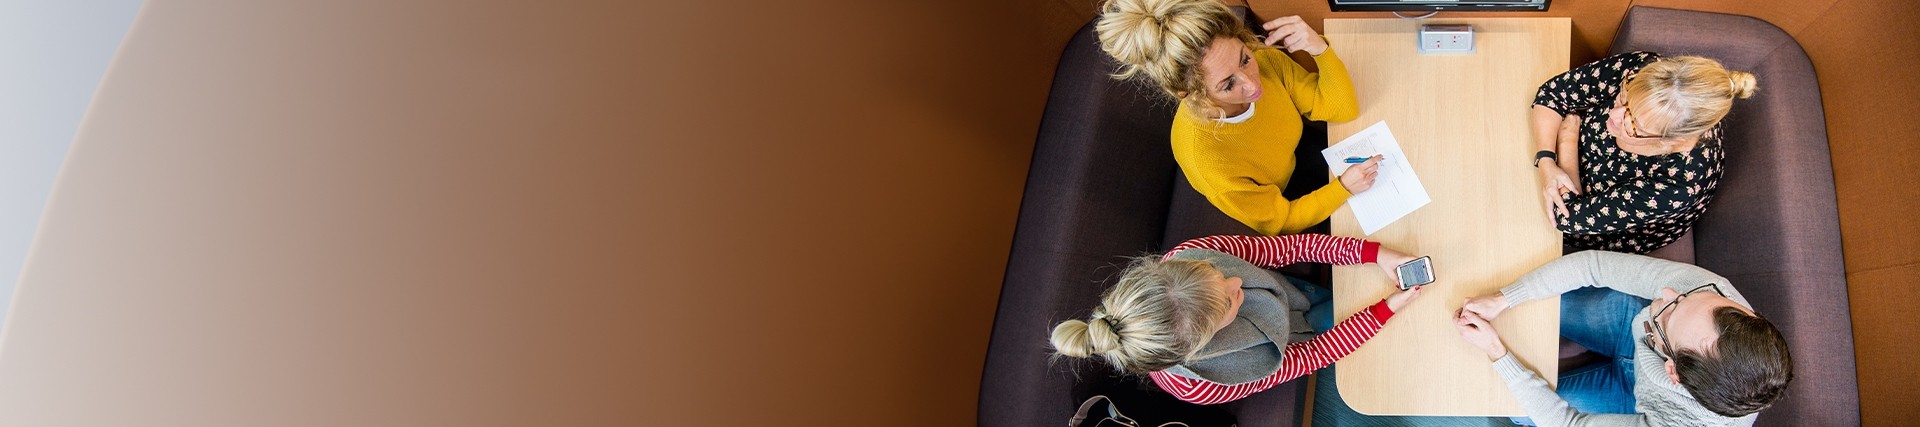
point(1356, 159)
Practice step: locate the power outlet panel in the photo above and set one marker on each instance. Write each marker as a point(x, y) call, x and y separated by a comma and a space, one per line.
point(1446, 38)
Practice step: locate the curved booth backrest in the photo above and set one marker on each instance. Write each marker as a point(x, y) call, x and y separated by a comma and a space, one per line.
point(1773, 228)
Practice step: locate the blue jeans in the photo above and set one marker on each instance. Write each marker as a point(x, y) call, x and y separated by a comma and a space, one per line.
point(1320, 316)
point(1601, 320)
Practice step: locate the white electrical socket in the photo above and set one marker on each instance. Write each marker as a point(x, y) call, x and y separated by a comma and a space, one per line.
point(1446, 38)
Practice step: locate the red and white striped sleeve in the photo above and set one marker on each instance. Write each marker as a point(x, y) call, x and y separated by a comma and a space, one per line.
point(1300, 359)
point(1279, 251)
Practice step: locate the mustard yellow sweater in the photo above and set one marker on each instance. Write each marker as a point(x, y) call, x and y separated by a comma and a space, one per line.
point(1242, 167)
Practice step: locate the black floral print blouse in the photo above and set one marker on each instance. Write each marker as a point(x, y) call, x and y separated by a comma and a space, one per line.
point(1628, 202)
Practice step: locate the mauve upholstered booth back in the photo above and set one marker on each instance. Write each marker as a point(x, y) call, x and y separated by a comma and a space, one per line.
point(1773, 228)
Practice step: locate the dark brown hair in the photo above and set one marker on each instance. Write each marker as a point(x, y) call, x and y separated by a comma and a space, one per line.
point(1745, 371)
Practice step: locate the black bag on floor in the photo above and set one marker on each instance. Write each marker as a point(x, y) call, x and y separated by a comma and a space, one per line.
point(1151, 408)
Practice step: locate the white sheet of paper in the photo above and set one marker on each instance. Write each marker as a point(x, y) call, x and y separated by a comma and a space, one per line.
point(1396, 191)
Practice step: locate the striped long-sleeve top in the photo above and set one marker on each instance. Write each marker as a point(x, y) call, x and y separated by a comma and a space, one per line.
point(1300, 358)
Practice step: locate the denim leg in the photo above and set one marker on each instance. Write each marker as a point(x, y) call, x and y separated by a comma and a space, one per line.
point(1604, 387)
point(1320, 315)
point(1601, 320)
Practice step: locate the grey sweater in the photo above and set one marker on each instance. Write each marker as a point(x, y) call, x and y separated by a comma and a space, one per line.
point(1659, 401)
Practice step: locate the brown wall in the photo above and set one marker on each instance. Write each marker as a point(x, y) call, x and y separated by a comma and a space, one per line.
point(534, 213)
point(1866, 78)
point(463, 213)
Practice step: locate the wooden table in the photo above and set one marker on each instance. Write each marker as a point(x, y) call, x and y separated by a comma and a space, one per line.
point(1462, 120)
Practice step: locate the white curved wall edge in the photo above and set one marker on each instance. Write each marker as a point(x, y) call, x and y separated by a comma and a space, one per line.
point(53, 54)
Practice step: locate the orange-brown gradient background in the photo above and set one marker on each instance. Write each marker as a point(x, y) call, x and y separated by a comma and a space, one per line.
point(665, 213)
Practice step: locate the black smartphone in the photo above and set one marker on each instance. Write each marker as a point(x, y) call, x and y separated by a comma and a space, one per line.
point(1415, 273)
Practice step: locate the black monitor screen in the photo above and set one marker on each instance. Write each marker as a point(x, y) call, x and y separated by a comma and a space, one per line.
point(1425, 5)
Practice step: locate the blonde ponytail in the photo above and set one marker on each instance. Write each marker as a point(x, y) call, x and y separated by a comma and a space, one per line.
point(1693, 93)
point(1158, 314)
point(1164, 40)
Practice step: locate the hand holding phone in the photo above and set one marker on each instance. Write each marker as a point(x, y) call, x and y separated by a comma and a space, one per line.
point(1417, 272)
point(1388, 259)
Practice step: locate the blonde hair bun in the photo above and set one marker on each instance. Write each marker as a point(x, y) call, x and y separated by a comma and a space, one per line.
point(1164, 40)
point(1742, 82)
point(1070, 339)
point(1076, 338)
point(1101, 337)
point(1131, 32)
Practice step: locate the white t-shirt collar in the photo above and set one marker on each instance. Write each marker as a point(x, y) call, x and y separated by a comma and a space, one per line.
point(1239, 118)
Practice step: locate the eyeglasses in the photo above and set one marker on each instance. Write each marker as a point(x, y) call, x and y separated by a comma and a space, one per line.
point(1653, 325)
point(1633, 125)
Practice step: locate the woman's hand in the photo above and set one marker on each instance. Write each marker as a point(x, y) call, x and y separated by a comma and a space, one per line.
point(1555, 186)
point(1294, 34)
point(1359, 178)
point(1480, 333)
point(1389, 260)
point(1401, 298)
point(1556, 181)
point(1486, 306)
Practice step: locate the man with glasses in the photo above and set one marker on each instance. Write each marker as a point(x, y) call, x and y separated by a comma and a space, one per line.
point(1683, 346)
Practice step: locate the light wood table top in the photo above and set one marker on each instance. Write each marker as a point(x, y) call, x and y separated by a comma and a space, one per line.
point(1462, 120)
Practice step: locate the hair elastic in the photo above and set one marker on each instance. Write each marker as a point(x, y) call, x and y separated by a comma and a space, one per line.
point(1101, 316)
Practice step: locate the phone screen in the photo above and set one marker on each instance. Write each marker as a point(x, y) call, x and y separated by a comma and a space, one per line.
point(1415, 273)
